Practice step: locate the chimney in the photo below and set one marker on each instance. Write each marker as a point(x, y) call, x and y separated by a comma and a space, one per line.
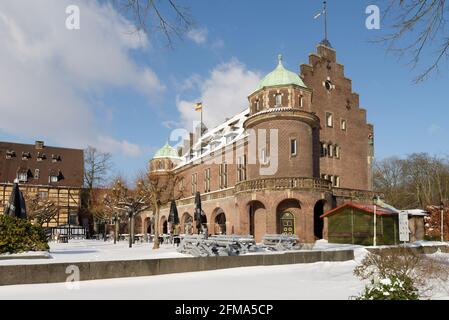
point(39, 145)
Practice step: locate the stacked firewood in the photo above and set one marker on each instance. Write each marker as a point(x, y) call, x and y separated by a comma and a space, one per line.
point(432, 223)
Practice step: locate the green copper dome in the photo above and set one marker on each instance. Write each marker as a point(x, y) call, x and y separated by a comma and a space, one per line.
point(166, 151)
point(280, 76)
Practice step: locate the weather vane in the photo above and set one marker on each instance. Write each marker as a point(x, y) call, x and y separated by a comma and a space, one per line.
point(324, 12)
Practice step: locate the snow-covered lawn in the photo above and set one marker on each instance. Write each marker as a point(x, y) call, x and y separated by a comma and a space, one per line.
point(321, 280)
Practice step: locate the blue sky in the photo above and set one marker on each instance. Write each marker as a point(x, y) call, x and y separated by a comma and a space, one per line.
point(232, 41)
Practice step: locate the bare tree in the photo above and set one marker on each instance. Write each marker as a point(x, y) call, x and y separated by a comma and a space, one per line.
point(418, 27)
point(416, 181)
point(111, 200)
point(97, 166)
point(157, 16)
point(40, 211)
point(160, 190)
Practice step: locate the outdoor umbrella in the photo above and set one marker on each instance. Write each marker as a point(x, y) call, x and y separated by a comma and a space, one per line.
point(16, 204)
point(173, 217)
point(198, 211)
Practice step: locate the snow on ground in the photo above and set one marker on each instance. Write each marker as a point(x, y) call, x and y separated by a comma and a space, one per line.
point(321, 280)
point(97, 250)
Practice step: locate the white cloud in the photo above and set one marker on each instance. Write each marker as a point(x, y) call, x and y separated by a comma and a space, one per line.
point(50, 76)
point(199, 36)
point(223, 94)
point(113, 146)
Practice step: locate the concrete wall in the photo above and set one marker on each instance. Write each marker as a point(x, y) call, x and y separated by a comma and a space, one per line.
point(56, 272)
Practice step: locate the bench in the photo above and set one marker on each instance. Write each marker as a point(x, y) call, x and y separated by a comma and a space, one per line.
point(281, 242)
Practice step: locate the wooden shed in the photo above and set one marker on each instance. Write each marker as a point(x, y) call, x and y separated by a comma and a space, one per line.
point(353, 223)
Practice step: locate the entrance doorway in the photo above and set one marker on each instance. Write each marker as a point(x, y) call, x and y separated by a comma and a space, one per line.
point(318, 223)
point(287, 223)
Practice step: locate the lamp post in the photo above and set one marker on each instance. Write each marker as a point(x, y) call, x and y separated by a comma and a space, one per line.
point(441, 221)
point(131, 235)
point(115, 221)
point(375, 221)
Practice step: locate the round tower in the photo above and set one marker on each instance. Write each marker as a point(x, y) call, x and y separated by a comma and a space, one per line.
point(165, 159)
point(286, 131)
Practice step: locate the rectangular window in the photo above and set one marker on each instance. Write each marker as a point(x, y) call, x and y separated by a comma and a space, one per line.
point(337, 152)
point(43, 194)
point(301, 102)
point(181, 184)
point(263, 157)
point(241, 168)
point(223, 174)
point(293, 147)
point(207, 180)
point(257, 105)
point(329, 119)
point(343, 124)
point(53, 178)
point(337, 181)
point(323, 150)
point(194, 183)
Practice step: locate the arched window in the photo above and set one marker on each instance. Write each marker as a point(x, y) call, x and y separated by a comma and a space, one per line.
point(278, 100)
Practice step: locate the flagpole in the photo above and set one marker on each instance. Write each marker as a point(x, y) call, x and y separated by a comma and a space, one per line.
point(325, 19)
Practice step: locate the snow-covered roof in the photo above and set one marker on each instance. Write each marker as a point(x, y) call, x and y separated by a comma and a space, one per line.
point(221, 136)
point(416, 212)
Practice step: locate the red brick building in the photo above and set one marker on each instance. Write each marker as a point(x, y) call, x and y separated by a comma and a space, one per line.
point(301, 147)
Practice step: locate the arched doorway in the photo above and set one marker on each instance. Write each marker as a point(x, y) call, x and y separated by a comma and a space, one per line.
point(220, 222)
point(149, 225)
point(187, 223)
point(318, 223)
point(287, 212)
point(257, 219)
point(163, 227)
point(287, 223)
point(204, 224)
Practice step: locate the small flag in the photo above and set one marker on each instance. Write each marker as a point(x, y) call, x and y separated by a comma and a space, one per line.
point(318, 15)
point(198, 106)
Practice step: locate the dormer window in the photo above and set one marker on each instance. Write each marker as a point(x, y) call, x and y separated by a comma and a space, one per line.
point(40, 156)
point(10, 154)
point(55, 157)
point(22, 176)
point(55, 176)
point(26, 155)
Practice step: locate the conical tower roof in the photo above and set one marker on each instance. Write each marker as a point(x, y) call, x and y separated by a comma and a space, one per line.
point(167, 151)
point(280, 76)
